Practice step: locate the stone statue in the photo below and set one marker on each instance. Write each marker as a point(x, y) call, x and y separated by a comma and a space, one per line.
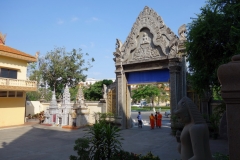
point(194, 139)
point(182, 32)
point(118, 54)
point(104, 91)
point(145, 39)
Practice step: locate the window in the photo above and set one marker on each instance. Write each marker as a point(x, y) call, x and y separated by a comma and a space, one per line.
point(19, 94)
point(8, 73)
point(11, 94)
point(3, 93)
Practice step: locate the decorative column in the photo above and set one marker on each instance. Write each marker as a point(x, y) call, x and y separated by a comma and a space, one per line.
point(53, 109)
point(184, 77)
point(174, 69)
point(229, 77)
point(120, 97)
point(128, 106)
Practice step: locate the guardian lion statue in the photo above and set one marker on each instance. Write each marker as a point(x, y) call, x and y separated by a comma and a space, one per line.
point(194, 138)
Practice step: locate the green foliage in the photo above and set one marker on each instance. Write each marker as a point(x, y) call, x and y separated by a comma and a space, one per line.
point(220, 156)
point(36, 95)
point(212, 39)
point(34, 73)
point(131, 156)
point(145, 91)
point(216, 94)
point(94, 92)
point(220, 109)
point(82, 147)
point(215, 121)
point(101, 142)
point(73, 92)
point(60, 67)
point(174, 119)
point(33, 96)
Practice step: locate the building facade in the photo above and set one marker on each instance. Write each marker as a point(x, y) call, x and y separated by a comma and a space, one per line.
point(13, 84)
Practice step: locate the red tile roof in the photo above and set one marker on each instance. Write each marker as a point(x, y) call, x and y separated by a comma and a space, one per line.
point(16, 52)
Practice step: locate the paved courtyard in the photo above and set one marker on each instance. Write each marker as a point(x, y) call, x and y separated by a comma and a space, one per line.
point(50, 143)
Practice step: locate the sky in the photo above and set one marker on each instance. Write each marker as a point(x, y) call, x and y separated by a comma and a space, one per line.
point(92, 25)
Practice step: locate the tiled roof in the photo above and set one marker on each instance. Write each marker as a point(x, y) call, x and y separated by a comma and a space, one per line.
point(19, 54)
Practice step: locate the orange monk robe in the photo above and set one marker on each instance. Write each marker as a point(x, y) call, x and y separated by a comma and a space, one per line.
point(159, 120)
point(152, 121)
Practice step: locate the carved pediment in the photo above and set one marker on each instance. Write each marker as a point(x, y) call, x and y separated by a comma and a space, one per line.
point(149, 39)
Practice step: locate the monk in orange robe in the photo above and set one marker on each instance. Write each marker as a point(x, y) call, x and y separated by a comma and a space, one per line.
point(159, 120)
point(152, 121)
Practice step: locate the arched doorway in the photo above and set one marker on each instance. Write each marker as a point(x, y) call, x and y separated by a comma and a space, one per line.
point(151, 53)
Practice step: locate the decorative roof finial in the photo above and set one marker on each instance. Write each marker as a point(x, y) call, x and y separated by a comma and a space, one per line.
point(182, 32)
point(37, 54)
point(2, 39)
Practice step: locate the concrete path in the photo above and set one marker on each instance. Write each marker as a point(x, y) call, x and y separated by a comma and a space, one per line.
point(39, 142)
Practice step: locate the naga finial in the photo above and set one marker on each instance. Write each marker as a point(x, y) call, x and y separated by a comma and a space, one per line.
point(118, 44)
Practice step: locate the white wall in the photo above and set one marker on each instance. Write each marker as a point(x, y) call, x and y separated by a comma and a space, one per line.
point(33, 107)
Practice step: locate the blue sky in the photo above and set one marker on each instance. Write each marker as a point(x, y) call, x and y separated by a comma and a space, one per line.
point(92, 25)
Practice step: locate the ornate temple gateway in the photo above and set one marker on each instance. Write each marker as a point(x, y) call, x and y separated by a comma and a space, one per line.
point(152, 53)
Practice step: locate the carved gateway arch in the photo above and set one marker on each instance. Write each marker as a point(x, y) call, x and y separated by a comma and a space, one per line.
point(151, 45)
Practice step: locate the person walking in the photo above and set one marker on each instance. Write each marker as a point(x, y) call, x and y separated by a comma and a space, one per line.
point(152, 121)
point(139, 117)
point(159, 120)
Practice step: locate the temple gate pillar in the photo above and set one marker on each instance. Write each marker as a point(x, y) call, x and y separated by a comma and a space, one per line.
point(175, 94)
point(183, 77)
point(120, 98)
point(229, 77)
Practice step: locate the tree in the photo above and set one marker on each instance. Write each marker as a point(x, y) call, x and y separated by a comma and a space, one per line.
point(212, 39)
point(163, 96)
point(145, 91)
point(37, 95)
point(94, 92)
point(33, 72)
point(60, 67)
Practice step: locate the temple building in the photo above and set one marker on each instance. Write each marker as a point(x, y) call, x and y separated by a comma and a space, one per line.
point(13, 84)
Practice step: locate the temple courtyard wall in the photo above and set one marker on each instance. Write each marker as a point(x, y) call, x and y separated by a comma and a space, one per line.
point(34, 107)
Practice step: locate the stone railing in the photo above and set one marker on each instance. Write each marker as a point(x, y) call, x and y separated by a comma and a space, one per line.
point(17, 83)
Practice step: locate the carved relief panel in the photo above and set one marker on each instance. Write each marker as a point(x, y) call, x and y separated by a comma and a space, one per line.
point(145, 49)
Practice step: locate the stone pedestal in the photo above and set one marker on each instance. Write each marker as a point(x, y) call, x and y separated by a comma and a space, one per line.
point(229, 77)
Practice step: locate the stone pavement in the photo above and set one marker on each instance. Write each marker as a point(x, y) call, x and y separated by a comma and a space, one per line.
point(47, 142)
